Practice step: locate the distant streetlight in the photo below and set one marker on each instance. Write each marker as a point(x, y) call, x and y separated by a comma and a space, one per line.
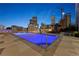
point(63, 13)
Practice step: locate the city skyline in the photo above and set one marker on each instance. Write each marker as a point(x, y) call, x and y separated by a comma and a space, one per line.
point(20, 14)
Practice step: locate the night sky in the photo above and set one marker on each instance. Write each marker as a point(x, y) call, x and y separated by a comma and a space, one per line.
point(20, 14)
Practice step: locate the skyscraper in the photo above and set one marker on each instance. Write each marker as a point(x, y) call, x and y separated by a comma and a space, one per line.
point(52, 20)
point(33, 26)
point(62, 21)
point(33, 20)
point(67, 20)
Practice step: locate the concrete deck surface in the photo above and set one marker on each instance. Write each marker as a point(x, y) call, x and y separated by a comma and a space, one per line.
point(12, 46)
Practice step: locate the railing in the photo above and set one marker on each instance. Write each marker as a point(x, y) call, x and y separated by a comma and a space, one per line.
point(5, 31)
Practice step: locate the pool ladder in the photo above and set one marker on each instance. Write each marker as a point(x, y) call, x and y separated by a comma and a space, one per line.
point(46, 41)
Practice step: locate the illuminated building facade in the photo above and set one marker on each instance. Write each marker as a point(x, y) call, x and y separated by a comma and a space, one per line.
point(18, 29)
point(33, 26)
point(48, 28)
point(43, 28)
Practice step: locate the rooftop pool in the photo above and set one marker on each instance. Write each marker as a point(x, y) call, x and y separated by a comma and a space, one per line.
point(38, 39)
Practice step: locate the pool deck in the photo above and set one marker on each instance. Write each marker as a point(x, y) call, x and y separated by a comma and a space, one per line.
point(69, 46)
point(12, 46)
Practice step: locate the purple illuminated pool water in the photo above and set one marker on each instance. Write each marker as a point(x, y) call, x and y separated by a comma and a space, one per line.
point(38, 39)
